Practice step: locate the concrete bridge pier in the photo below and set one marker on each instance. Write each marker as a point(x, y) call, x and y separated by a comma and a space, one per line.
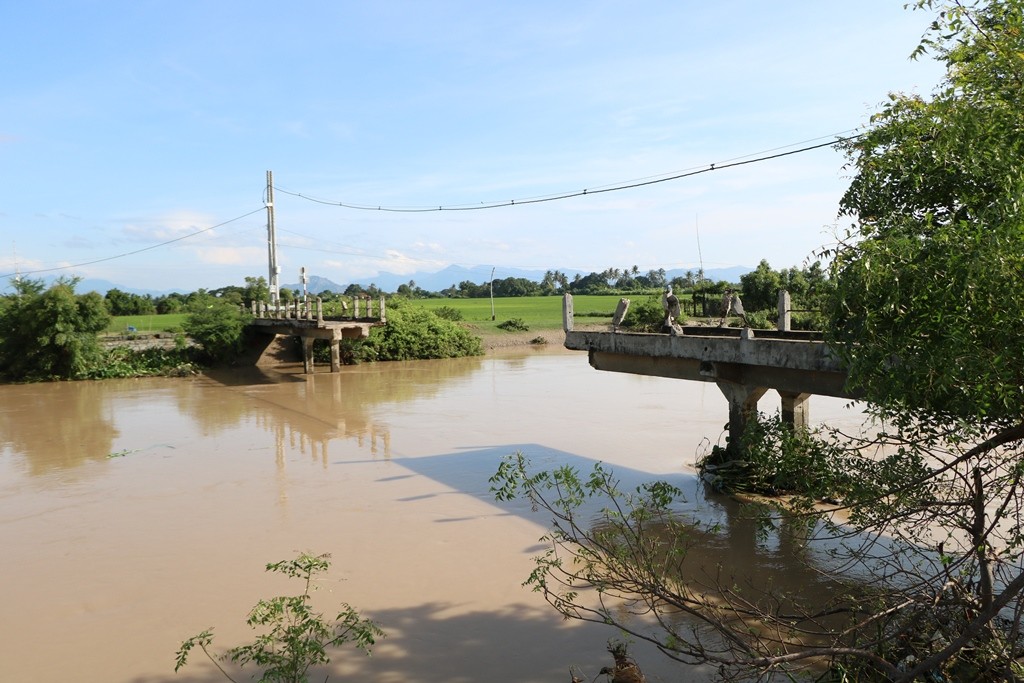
point(796, 409)
point(742, 408)
point(307, 354)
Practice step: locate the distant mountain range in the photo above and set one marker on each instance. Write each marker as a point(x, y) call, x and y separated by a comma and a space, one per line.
point(389, 282)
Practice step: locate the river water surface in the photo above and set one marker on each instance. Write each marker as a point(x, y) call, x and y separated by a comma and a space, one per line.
point(136, 513)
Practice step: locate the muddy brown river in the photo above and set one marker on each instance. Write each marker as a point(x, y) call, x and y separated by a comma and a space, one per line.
point(136, 513)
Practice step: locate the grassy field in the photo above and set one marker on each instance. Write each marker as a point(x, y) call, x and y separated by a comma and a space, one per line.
point(538, 312)
point(146, 323)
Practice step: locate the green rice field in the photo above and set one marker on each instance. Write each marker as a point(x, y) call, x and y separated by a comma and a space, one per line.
point(169, 322)
point(538, 312)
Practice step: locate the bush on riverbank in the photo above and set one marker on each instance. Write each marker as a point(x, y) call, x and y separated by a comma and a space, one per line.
point(218, 327)
point(121, 361)
point(51, 333)
point(412, 333)
point(415, 333)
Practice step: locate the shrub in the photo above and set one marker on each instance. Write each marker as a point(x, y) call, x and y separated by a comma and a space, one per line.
point(778, 459)
point(415, 333)
point(645, 316)
point(762, 320)
point(514, 325)
point(218, 327)
point(122, 361)
point(52, 333)
point(448, 313)
point(298, 637)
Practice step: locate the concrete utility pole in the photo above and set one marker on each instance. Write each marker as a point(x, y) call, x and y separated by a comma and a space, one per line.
point(492, 293)
point(272, 241)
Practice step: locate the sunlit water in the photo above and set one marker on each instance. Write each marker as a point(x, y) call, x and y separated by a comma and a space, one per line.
point(136, 513)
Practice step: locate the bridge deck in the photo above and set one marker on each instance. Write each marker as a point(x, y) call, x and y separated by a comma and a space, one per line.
point(787, 362)
point(743, 363)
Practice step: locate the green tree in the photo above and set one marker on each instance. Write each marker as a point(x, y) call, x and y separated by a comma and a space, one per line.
point(217, 326)
point(126, 303)
point(516, 286)
point(170, 303)
point(51, 333)
point(354, 290)
point(594, 283)
point(761, 287)
point(256, 289)
point(926, 313)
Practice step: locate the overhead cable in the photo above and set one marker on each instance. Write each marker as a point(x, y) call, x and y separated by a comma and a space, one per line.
point(132, 253)
point(568, 195)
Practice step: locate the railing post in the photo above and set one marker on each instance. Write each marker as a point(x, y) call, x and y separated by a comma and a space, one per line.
point(319, 310)
point(567, 314)
point(785, 322)
point(382, 316)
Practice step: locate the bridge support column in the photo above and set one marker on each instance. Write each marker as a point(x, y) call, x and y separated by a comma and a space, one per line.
point(335, 355)
point(796, 409)
point(307, 355)
point(742, 407)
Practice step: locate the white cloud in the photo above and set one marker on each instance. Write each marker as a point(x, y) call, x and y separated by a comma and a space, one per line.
point(230, 256)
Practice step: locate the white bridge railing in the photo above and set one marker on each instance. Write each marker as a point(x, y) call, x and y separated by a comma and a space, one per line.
point(361, 309)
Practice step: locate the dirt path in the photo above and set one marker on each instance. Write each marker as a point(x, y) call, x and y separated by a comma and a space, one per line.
point(504, 340)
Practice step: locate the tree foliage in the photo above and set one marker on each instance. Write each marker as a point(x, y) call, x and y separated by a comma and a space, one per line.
point(218, 326)
point(49, 333)
point(126, 303)
point(926, 314)
point(932, 274)
point(416, 333)
point(296, 637)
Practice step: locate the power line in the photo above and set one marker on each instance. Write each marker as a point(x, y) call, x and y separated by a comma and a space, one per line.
point(137, 251)
point(629, 185)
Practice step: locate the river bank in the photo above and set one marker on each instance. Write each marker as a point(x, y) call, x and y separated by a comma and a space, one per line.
point(503, 340)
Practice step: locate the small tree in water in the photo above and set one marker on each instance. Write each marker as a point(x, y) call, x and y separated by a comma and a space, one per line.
point(297, 638)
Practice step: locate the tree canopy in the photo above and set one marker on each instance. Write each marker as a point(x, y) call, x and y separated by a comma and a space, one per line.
point(929, 281)
point(49, 333)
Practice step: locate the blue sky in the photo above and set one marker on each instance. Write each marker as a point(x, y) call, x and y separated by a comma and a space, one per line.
point(124, 125)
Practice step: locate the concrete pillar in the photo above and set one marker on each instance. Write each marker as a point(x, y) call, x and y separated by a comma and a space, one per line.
point(785, 317)
point(796, 409)
point(335, 355)
point(307, 355)
point(742, 408)
point(567, 314)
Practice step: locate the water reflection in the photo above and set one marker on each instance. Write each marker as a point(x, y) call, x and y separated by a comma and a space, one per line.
point(56, 426)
